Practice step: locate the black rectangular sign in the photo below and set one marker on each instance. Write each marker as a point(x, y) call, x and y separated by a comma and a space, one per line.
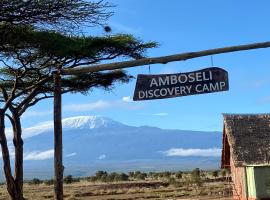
point(162, 86)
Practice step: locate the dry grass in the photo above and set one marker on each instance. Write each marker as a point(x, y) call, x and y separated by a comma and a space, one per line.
point(132, 190)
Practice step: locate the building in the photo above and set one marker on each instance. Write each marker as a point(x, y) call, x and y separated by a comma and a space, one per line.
point(246, 153)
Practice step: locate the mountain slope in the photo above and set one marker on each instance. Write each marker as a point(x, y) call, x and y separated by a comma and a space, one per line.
point(92, 143)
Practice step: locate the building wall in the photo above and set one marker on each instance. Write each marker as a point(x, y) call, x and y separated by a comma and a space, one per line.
point(238, 179)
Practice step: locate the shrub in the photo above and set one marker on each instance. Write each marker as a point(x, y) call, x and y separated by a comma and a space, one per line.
point(131, 174)
point(68, 179)
point(141, 176)
point(122, 177)
point(49, 182)
point(178, 175)
point(196, 173)
point(92, 178)
point(35, 181)
point(215, 173)
point(196, 177)
point(224, 172)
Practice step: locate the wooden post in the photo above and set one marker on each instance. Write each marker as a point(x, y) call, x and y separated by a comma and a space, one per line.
point(163, 59)
point(58, 151)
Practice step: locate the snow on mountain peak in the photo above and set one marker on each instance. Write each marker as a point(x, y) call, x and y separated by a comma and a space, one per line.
point(78, 122)
point(88, 122)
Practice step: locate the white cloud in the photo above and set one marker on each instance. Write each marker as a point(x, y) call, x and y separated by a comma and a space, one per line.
point(212, 152)
point(71, 154)
point(127, 99)
point(99, 105)
point(37, 155)
point(102, 157)
point(34, 113)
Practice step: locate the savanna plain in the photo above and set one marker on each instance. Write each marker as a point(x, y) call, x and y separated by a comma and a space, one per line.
point(196, 184)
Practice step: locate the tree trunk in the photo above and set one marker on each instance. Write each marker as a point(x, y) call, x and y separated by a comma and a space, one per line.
point(18, 145)
point(11, 186)
point(58, 151)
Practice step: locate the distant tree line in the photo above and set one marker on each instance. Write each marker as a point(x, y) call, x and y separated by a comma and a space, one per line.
point(195, 177)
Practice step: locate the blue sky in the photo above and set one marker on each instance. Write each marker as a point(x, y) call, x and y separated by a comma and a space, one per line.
point(182, 26)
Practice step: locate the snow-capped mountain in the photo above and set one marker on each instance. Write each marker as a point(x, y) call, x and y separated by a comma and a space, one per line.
point(92, 143)
point(78, 122)
point(90, 122)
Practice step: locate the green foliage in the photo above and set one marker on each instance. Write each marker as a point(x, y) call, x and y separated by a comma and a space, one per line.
point(141, 176)
point(35, 181)
point(224, 172)
point(68, 179)
point(38, 37)
point(54, 13)
point(196, 177)
point(178, 175)
point(49, 182)
point(35, 54)
point(121, 177)
point(103, 176)
point(100, 174)
point(84, 83)
point(88, 49)
point(215, 173)
point(131, 174)
point(196, 173)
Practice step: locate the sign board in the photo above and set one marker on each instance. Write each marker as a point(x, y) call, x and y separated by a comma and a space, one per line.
point(149, 87)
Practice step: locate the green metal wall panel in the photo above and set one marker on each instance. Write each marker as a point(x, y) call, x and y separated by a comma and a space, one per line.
point(262, 181)
point(251, 182)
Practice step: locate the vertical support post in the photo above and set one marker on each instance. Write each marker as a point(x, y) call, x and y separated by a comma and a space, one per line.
point(58, 150)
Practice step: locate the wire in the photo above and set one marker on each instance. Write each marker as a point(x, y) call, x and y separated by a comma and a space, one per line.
point(212, 62)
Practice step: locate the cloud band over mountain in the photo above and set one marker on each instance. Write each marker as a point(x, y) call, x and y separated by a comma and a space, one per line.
point(211, 152)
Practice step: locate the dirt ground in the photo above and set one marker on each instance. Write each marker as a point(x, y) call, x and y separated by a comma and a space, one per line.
point(143, 190)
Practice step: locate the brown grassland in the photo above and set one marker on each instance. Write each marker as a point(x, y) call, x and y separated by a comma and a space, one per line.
point(169, 188)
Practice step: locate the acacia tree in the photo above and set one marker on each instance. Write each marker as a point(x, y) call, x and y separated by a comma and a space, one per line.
point(26, 78)
point(31, 49)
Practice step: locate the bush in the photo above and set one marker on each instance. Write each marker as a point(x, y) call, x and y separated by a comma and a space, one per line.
point(131, 174)
point(100, 174)
point(215, 173)
point(196, 173)
point(224, 172)
point(141, 176)
point(178, 175)
point(122, 177)
point(35, 181)
point(112, 177)
point(137, 173)
point(92, 179)
point(68, 179)
point(49, 182)
point(196, 177)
